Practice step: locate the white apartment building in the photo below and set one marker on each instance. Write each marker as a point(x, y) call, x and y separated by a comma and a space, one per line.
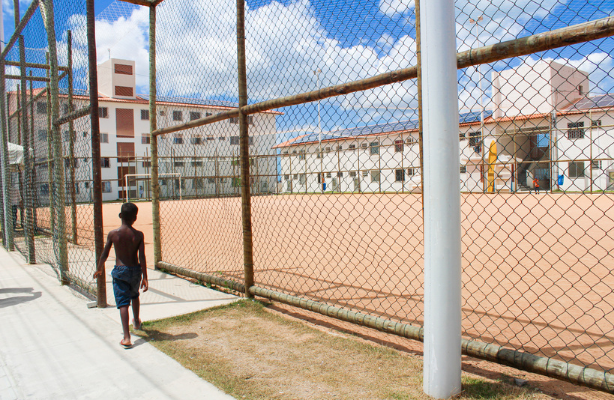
point(544, 126)
point(201, 161)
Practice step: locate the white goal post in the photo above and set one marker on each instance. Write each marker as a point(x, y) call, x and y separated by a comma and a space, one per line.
point(177, 174)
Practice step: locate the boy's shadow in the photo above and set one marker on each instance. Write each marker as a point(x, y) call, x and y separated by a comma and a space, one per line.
point(149, 335)
point(12, 301)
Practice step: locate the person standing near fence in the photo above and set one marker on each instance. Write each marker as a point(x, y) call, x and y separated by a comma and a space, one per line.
point(16, 201)
point(129, 268)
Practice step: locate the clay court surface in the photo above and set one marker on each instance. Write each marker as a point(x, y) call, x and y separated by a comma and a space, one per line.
point(537, 269)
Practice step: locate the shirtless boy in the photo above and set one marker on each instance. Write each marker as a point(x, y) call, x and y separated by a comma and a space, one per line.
point(130, 266)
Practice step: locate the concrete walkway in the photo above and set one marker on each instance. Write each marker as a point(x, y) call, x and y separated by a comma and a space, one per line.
point(53, 347)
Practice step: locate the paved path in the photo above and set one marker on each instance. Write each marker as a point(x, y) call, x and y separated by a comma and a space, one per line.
point(53, 347)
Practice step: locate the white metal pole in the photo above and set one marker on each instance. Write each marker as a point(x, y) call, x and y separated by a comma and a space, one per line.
point(442, 253)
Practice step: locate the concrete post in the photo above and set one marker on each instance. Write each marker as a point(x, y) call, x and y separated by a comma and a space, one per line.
point(442, 252)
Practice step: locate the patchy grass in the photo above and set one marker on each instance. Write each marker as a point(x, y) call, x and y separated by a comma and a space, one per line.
point(251, 353)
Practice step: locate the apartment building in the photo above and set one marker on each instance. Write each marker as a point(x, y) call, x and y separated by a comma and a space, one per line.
point(195, 162)
point(544, 125)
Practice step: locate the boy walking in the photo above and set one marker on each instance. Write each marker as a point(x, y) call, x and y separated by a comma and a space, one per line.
point(130, 266)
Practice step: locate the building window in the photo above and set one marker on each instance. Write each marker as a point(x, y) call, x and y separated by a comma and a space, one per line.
point(106, 187)
point(364, 145)
point(412, 140)
point(327, 149)
point(301, 179)
point(197, 164)
point(596, 164)
point(75, 163)
point(42, 134)
point(162, 113)
point(374, 176)
point(198, 183)
point(178, 164)
point(123, 69)
point(210, 138)
point(197, 140)
point(286, 177)
point(194, 115)
point(339, 148)
point(398, 146)
point(374, 147)
point(222, 138)
point(145, 138)
point(475, 141)
point(250, 140)
point(146, 164)
point(575, 130)
point(352, 147)
point(399, 175)
point(105, 162)
point(145, 115)
point(41, 107)
point(580, 90)
point(411, 171)
point(125, 152)
point(178, 139)
point(463, 169)
point(576, 169)
point(103, 112)
point(462, 136)
point(125, 122)
point(126, 91)
point(177, 116)
point(365, 173)
point(234, 140)
point(353, 174)
point(301, 155)
point(104, 138)
point(596, 122)
point(339, 174)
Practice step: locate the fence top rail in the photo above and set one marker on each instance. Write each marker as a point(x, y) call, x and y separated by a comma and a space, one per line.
point(22, 24)
point(575, 34)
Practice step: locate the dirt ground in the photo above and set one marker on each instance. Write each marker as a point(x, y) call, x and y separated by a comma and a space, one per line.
point(250, 352)
point(538, 270)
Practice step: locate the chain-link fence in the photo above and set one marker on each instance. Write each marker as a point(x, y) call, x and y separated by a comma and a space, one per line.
point(329, 145)
point(48, 212)
point(280, 144)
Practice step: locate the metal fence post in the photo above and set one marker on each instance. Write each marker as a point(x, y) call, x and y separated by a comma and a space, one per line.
point(246, 215)
point(71, 144)
point(50, 161)
point(6, 178)
point(153, 125)
point(442, 269)
point(101, 284)
point(46, 7)
point(28, 195)
point(33, 190)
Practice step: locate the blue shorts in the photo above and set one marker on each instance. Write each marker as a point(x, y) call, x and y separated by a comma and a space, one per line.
point(126, 282)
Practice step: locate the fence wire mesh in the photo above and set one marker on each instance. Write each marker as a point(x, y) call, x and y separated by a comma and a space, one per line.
point(54, 187)
point(336, 183)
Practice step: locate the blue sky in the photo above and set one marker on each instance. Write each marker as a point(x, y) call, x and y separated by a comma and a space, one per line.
point(346, 39)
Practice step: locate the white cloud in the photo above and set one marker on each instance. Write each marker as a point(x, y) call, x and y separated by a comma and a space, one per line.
point(393, 8)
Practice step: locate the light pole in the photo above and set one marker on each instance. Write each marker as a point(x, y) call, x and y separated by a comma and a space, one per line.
point(317, 73)
point(481, 78)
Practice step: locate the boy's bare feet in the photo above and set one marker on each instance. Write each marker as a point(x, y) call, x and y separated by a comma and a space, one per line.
point(136, 325)
point(126, 343)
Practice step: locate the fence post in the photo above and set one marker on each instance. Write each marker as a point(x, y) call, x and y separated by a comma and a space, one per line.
point(6, 177)
point(50, 162)
point(153, 125)
point(442, 269)
point(71, 144)
point(46, 7)
point(33, 190)
point(246, 216)
point(27, 192)
point(101, 283)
